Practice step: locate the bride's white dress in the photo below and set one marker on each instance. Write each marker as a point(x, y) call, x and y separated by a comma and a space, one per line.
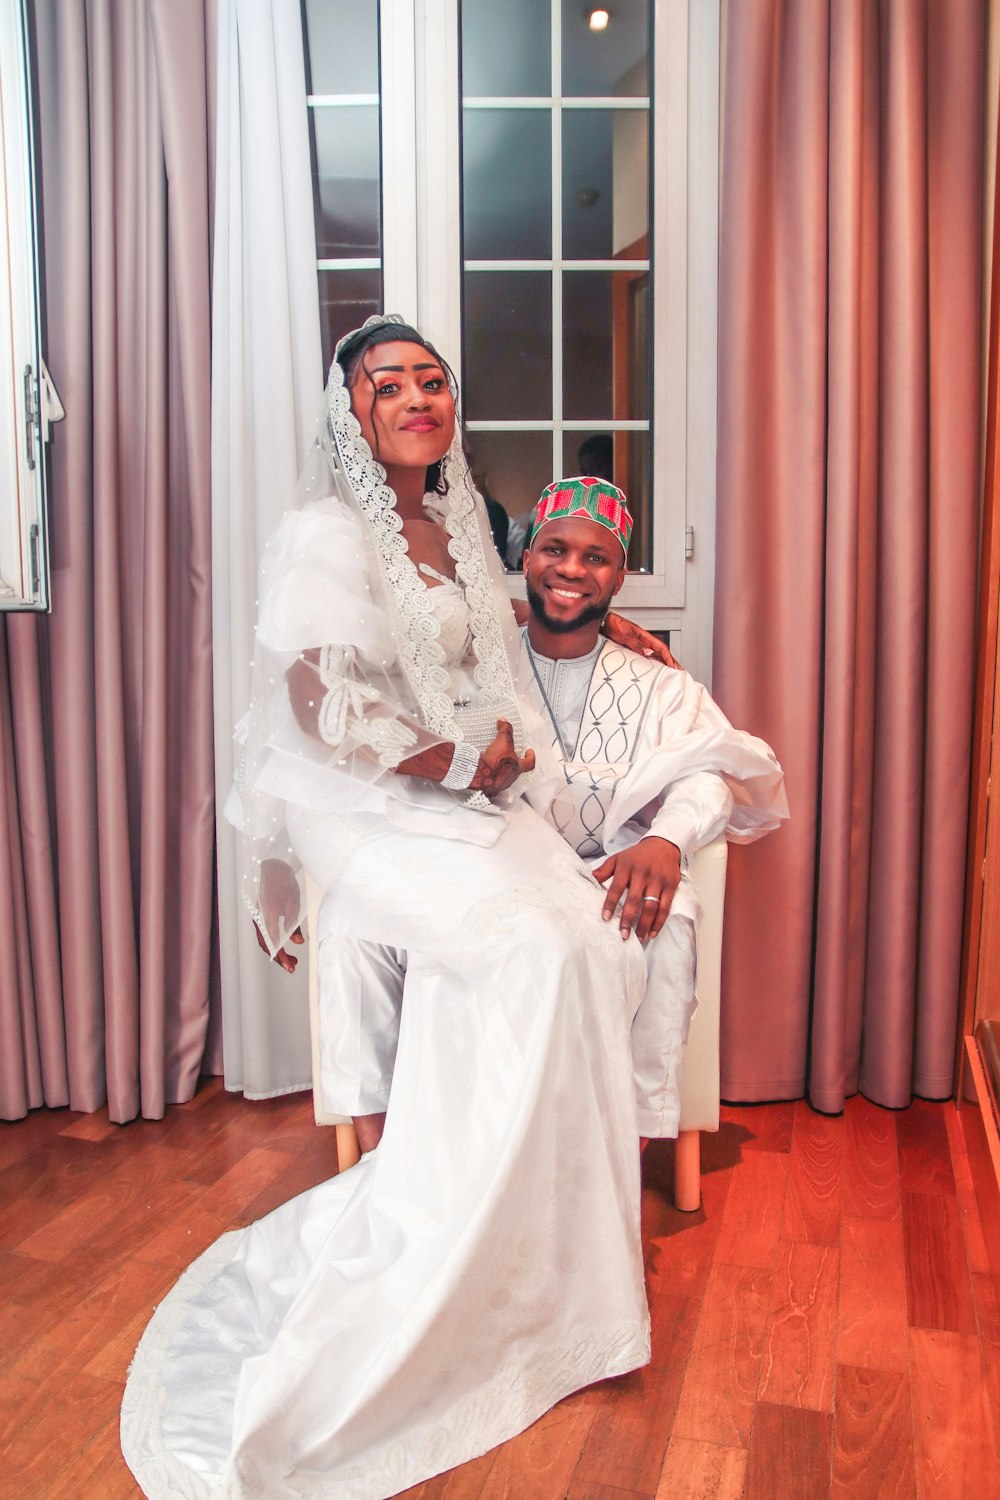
point(485, 1260)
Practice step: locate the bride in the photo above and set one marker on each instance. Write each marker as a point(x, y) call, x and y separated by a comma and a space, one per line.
point(484, 1260)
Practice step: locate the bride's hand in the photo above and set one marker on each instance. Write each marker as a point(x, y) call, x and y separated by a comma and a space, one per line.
point(627, 633)
point(499, 764)
point(279, 900)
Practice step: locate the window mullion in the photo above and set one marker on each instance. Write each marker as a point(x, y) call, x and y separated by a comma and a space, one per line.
point(398, 116)
point(557, 274)
point(439, 227)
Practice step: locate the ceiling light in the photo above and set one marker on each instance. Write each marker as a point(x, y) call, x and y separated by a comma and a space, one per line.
point(598, 18)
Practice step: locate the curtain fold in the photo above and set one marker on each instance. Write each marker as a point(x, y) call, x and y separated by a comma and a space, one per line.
point(267, 384)
point(108, 815)
point(850, 349)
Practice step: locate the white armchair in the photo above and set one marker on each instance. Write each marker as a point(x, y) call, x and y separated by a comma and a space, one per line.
point(700, 1078)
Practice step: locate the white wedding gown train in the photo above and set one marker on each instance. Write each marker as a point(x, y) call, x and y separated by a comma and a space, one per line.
point(483, 1262)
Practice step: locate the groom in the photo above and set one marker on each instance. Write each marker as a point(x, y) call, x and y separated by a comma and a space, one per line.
point(642, 772)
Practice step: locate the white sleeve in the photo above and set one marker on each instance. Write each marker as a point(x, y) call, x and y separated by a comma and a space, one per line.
point(694, 811)
point(698, 772)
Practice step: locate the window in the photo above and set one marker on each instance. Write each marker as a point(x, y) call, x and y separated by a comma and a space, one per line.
point(27, 402)
point(541, 200)
point(557, 290)
point(342, 77)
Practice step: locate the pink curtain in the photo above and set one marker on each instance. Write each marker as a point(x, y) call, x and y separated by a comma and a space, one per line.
point(850, 347)
point(106, 819)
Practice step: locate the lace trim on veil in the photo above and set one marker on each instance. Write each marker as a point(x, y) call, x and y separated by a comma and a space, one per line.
point(421, 655)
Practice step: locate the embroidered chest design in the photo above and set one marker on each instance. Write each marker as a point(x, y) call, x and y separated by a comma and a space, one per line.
point(606, 746)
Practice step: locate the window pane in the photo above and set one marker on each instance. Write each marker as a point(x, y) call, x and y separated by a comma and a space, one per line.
point(507, 184)
point(342, 46)
point(614, 61)
point(513, 468)
point(606, 345)
point(625, 459)
point(506, 47)
point(507, 360)
point(346, 299)
point(345, 144)
point(605, 192)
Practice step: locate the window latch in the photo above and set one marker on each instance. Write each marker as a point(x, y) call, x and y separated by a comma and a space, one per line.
point(30, 414)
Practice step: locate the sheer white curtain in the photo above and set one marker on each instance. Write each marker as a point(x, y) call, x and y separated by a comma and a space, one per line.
point(266, 386)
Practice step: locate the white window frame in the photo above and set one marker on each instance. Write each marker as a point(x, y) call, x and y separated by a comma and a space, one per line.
point(28, 402)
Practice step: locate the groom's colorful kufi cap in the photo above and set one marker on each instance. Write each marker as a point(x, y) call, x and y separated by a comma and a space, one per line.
point(595, 499)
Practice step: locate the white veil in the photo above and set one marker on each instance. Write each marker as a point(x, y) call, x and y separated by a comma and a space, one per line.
point(350, 676)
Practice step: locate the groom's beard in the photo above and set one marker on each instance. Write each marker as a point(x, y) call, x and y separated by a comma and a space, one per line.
point(563, 626)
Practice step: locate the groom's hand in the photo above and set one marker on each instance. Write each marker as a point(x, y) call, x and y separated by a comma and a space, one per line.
point(643, 878)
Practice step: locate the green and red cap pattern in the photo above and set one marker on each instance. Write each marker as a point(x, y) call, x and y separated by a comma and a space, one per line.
point(595, 499)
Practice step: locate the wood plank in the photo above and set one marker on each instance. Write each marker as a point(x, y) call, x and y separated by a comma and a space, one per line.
point(19, 1326)
point(464, 1483)
point(815, 1168)
point(118, 1319)
point(789, 1454)
point(870, 1184)
point(290, 1116)
point(60, 1170)
point(15, 1389)
point(23, 1218)
point(18, 1138)
point(924, 1152)
point(127, 1203)
point(183, 1238)
point(99, 1470)
point(95, 1127)
point(679, 1247)
point(871, 1307)
point(873, 1436)
point(701, 1471)
point(797, 1367)
point(57, 1287)
point(210, 1085)
point(255, 1172)
point(976, 1253)
point(719, 1390)
point(57, 1338)
point(723, 1148)
point(219, 1147)
point(540, 1462)
point(987, 1300)
point(938, 1290)
point(763, 1127)
point(97, 1336)
point(307, 1169)
point(956, 1455)
point(629, 1434)
point(582, 1490)
point(984, 1178)
point(47, 1431)
point(751, 1219)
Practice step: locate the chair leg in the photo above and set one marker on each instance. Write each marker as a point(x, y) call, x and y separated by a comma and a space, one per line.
point(347, 1147)
point(687, 1171)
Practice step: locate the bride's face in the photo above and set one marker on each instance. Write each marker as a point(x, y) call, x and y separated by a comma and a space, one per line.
point(400, 396)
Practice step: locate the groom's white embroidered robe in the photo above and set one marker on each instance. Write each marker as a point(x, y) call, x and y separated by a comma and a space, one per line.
point(644, 750)
point(640, 749)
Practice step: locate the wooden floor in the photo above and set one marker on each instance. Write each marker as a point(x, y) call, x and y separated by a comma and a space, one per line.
point(827, 1325)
